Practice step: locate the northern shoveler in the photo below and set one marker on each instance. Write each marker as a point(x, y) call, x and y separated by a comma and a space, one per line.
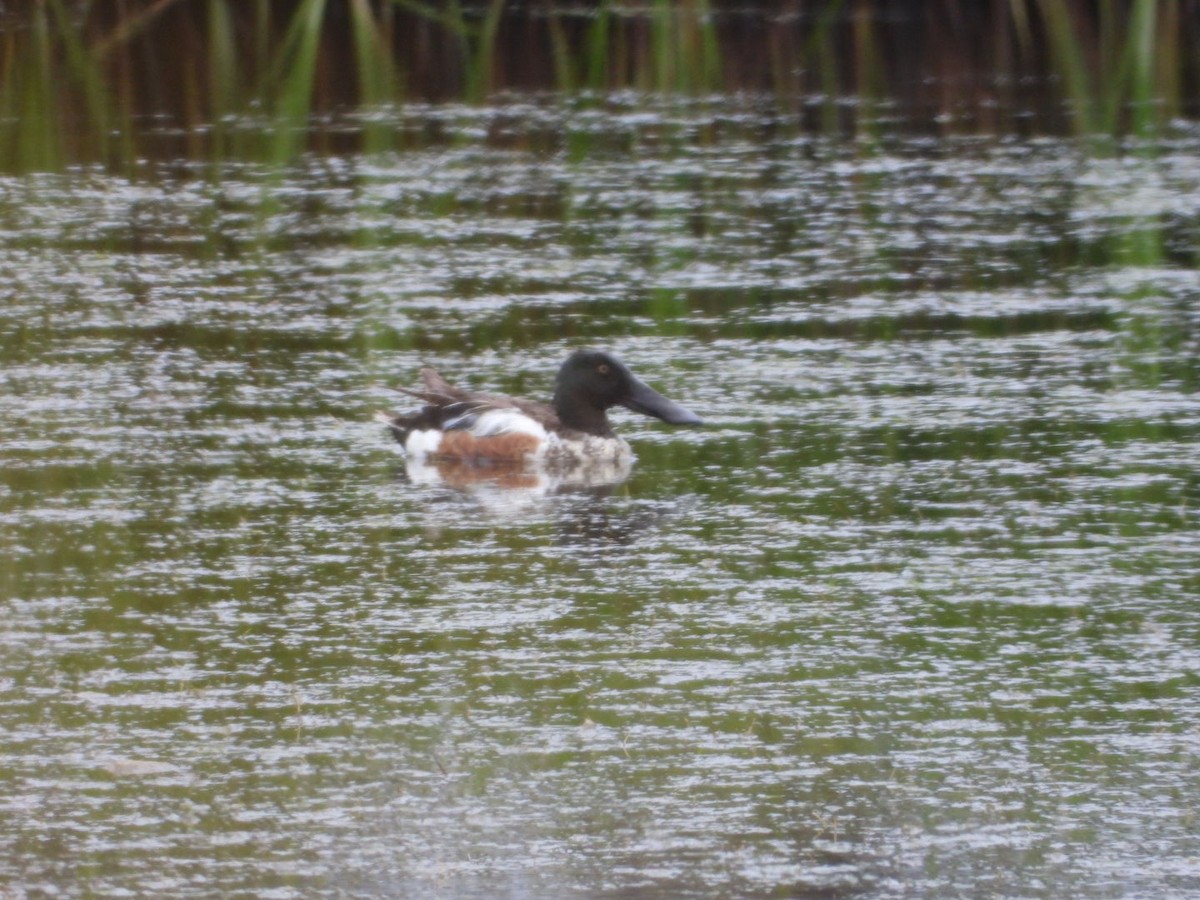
point(470, 426)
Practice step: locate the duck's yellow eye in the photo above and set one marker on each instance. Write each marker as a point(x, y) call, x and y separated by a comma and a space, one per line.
point(602, 368)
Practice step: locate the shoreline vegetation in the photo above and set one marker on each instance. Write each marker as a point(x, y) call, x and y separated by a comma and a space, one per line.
point(93, 82)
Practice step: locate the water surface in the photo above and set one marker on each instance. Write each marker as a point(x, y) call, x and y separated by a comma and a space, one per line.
point(914, 615)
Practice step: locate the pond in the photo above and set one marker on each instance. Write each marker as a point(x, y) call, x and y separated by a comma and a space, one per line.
point(913, 615)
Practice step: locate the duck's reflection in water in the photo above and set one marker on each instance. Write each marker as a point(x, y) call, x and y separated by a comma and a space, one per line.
point(579, 500)
point(511, 489)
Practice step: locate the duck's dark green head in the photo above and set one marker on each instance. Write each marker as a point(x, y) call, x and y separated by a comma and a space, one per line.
point(591, 381)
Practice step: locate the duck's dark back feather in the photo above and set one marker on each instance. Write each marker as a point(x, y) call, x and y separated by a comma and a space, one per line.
point(450, 408)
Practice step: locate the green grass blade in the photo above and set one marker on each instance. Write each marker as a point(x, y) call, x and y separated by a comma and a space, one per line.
point(296, 67)
point(1070, 63)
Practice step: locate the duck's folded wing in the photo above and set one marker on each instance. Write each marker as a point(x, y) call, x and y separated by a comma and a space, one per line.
point(458, 424)
point(483, 418)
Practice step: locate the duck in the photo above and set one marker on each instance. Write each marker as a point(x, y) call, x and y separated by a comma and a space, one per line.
point(474, 427)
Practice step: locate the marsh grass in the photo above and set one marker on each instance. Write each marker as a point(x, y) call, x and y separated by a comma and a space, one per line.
point(664, 48)
point(52, 99)
point(248, 78)
point(1123, 70)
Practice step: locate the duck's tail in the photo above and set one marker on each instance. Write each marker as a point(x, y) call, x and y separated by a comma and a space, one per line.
point(400, 426)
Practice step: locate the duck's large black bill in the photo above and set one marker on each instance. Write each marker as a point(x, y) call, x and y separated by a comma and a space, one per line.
point(646, 400)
